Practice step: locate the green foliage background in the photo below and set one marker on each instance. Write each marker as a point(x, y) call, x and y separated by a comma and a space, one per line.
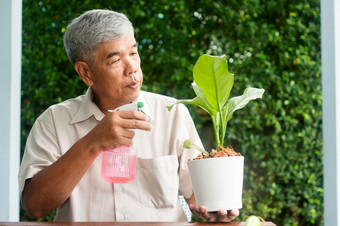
point(270, 44)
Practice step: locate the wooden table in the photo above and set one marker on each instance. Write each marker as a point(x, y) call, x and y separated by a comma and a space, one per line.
point(31, 223)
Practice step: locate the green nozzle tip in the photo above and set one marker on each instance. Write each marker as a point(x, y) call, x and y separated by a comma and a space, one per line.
point(140, 104)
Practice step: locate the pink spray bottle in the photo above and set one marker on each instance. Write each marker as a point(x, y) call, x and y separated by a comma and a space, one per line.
point(119, 164)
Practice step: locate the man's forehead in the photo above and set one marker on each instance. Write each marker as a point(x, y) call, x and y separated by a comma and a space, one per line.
point(116, 46)
point(125, 40)
point(113, 53)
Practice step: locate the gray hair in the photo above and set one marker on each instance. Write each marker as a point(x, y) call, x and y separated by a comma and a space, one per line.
point(86, 32)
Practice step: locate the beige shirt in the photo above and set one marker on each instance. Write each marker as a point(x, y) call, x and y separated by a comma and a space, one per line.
point(162, 172)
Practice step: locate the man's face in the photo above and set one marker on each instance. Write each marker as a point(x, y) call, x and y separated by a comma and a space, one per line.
point(115, 72)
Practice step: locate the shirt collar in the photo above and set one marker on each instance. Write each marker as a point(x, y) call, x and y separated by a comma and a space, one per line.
point(88, 108)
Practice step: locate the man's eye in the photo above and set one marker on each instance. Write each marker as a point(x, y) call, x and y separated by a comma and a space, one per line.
point(115, 61)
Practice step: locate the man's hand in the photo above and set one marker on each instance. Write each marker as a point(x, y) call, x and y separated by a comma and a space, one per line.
point(220, 216)
point(116, 129)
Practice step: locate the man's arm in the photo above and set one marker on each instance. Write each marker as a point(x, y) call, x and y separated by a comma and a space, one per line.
point(49, 188)
point(220, 216)
point(53, 185)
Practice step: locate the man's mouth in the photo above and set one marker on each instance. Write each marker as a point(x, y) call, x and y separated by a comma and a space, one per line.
point(133, 85)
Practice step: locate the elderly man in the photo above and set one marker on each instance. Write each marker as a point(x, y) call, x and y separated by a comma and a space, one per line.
point(62, 160)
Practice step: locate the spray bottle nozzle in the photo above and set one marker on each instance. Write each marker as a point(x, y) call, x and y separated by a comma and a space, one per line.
point(127, 107)
point(140, 105)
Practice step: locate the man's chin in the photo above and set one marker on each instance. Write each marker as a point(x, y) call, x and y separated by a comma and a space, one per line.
point(134, 95)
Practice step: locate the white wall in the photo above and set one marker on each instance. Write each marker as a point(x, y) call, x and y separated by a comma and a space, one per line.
point(330, 45)
point(10, 79)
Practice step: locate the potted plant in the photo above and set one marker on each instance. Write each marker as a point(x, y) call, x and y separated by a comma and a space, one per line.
point(217, 182)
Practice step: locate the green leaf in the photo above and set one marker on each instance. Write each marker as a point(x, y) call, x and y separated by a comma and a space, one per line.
point(197, 101)
point(189, 144)
point(212, 76)
point(239, 102)
point(205, 104)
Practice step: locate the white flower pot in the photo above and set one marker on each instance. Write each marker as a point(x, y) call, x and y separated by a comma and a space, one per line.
point(218, 182)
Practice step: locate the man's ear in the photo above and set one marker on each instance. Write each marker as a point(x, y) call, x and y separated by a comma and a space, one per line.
point(83, 71)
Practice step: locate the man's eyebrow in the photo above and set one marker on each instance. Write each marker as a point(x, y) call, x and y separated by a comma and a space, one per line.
point(111, 54)
point(115, 53)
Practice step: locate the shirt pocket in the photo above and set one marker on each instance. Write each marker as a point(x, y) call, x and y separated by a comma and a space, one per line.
point(157, 180)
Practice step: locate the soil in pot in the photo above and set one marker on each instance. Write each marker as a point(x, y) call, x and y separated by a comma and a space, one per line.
point(224, 152)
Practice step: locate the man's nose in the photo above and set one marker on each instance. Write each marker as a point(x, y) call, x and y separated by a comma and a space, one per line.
point(131, 67)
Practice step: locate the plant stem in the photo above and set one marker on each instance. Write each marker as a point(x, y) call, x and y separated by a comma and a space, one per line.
point(216, 129)
point(222, 129)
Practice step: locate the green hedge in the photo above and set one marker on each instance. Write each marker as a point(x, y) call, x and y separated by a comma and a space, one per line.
point(272, 44)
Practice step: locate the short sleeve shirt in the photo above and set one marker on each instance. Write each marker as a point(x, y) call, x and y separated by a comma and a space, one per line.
point(162, 172)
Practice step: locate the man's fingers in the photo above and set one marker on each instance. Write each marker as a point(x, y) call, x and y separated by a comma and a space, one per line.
point(227, 216)
point(135, 124)
point(194, 210)
point(219, 216)
point(133, 115)
point(138, 124)
point(232, 214)
point(222, 216)
point(204, 213)
point(134, 120)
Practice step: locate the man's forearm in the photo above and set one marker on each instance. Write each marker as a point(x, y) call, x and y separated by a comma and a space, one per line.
point(49, 188)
